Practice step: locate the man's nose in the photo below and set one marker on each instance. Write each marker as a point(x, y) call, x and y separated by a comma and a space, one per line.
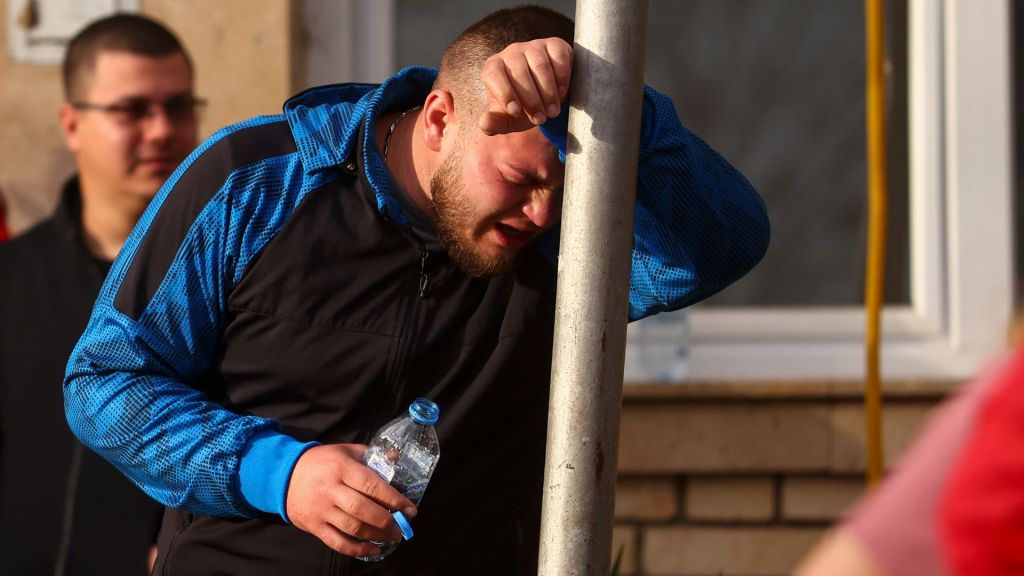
point(544, 207)
point(159, 125)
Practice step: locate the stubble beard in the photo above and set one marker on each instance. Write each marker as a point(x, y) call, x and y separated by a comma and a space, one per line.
point(455, 220)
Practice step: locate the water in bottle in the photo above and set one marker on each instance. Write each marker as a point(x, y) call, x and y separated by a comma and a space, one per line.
point(405, 452)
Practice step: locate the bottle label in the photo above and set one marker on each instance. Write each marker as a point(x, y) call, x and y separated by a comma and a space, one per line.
point(415, 492)
point(381, 466)
point(417, 460)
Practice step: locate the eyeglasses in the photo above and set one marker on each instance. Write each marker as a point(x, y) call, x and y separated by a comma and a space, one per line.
point(179, 110)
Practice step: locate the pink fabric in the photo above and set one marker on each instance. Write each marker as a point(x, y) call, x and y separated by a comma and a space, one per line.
point(897, 522)
point(982, 509)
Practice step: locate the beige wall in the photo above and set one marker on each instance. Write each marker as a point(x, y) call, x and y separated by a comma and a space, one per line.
point(243, 52)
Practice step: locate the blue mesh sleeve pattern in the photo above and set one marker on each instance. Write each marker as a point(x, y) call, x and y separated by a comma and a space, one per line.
point(699, 224)
point(128, 392)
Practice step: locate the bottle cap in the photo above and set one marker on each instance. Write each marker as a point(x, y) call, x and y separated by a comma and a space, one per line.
point(403, 524)
point(424, 411)
point(407, 529)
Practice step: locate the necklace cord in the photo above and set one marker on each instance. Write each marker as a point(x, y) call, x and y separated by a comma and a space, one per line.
point(391, 130)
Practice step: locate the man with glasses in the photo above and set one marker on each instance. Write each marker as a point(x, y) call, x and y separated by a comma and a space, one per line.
point(129, 119)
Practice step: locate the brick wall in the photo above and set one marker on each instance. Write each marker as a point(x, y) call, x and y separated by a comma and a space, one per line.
point(741, 479)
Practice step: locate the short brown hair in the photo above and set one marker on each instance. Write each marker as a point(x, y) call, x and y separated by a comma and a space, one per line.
point(464, 58)
point(118, 33)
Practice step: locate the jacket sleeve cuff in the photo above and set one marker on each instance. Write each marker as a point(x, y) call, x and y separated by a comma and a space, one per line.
point(557, 129)
point(266, 468)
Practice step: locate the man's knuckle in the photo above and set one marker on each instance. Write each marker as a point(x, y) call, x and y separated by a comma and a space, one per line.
point(360, 509)
point(373, 488)
point(342, 546)
point(492, 66)
point(352, 527)
point(329, 537)
point(519, 68)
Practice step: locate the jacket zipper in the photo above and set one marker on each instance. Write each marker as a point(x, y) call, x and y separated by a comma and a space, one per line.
point(406, 337)
point(424, 277)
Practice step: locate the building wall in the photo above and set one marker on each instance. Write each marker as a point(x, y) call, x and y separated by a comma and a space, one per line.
point(246, 60)
point(742, 479)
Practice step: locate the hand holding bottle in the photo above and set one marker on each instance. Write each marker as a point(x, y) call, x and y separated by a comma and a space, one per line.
point(335, 497)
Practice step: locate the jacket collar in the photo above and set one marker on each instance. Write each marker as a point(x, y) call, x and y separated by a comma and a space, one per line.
point(326, 123)
point(67, 221)
point(68, 215)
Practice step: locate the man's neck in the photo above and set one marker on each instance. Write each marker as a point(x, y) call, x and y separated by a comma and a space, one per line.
point(106, 221)
point(405, 159)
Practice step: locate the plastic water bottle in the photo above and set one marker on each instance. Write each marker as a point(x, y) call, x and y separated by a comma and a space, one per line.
point(658, 348)
point(405, 452)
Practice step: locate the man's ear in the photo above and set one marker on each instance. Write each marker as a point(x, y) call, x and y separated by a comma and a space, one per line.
point(439, 119)
point(67, 117)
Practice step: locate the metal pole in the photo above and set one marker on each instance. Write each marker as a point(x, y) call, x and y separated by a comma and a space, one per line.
point(593, 287)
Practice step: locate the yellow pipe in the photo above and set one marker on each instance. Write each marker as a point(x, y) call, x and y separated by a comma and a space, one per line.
point(874, 282)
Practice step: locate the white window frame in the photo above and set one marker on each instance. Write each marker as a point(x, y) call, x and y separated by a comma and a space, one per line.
point(960, 170)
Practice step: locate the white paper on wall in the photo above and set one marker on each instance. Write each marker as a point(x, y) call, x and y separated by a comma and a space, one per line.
point(38, 30)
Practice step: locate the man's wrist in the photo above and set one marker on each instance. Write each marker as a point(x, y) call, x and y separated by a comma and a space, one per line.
point(265, 468)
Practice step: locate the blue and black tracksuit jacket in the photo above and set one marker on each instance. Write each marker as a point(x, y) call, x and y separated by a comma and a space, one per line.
point(273, 296)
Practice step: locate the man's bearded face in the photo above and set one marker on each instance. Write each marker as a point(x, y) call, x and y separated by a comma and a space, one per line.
point(493, 195)
point(457, 218)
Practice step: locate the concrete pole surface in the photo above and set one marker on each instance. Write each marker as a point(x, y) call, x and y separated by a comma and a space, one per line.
point(593, 287)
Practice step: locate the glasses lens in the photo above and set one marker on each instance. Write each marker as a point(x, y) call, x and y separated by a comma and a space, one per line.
point(182, 109)
point(134, 110)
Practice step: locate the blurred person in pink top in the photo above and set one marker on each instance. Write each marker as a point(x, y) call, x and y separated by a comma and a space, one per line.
point(954, 503)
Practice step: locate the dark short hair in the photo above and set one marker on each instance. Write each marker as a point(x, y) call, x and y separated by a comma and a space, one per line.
point(464, 58)
point(130, 33)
